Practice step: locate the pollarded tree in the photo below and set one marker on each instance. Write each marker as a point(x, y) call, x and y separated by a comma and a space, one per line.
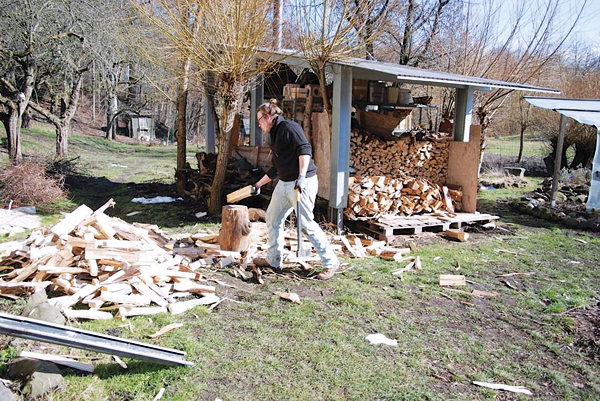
point(331, 30)
point(48, 48)
point(219, 42)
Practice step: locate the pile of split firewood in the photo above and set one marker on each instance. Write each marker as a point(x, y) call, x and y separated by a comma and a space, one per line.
point(370, 197)
point(102, 264)
point(105, 267)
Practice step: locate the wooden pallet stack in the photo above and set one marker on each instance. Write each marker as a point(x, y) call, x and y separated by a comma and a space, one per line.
point(406, 156)
point(370, 197)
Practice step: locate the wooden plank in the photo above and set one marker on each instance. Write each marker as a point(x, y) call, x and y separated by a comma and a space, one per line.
point(117, 254)
point(66, 225)
point(145, 290)
point(452, 280)
point(321, 144)
point(104, 226)
point(240, 194)
point(80, 294)
point(463, 167)
point(348, 246)
point(195, 288)
point(140, 311)
point(61, 269)
point(458, 235)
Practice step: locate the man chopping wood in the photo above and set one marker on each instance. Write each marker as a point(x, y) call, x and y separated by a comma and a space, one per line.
point(297, 172)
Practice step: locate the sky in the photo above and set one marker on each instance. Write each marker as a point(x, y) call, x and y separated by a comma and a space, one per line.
point(588, 26)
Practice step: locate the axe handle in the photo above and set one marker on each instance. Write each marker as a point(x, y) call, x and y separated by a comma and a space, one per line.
point(300, 252)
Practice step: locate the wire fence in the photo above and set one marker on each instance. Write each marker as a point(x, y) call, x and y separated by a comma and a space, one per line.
point(510, 147)
point(503, 152)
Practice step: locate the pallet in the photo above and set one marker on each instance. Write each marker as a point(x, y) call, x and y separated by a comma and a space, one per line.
point(385, 229)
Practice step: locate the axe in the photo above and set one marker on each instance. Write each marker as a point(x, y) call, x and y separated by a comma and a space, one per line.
point(301, 251)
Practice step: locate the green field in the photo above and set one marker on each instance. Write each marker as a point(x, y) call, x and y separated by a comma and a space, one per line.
point(509, 146)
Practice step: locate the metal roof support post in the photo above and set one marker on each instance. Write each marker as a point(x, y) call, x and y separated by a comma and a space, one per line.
point(257, 97)
point(463, 114)
point(558, 159)
point(593, 202)
point(340, 144)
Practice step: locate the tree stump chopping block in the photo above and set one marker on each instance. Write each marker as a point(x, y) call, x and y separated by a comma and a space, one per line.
point(235, 228)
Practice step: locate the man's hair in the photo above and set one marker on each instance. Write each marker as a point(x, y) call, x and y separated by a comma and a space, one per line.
point(270, 108)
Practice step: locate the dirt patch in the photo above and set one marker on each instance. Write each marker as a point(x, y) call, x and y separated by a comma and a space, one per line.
point(587, 330)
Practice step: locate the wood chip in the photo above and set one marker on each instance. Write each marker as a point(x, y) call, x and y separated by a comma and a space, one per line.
point(290, 296)
point(166, 329)
point(120, 362)
point(514, 389)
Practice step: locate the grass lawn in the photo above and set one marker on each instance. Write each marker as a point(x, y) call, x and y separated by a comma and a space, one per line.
point(509, 146)
point(540, 332)
point(532, 147)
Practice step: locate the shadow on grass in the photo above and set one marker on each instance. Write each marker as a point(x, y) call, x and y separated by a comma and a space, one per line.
point(106, 371)
point(508, 213)
point(96, 191)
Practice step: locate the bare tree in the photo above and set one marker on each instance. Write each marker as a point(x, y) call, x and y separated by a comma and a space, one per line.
point(519, 48)
point(33, 32)
point(368, 20)
point(412, 27)
point(222, 40)
point(61, 119)
point(331, 30)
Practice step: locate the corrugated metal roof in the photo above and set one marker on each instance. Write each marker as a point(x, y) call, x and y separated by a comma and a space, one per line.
point(378, 70)
point(586, 111)
point(559, 103)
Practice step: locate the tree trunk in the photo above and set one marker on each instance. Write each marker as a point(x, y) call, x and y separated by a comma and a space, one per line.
point(235, 228)
point(521, 143)
point(181, 136)
point(14, 137)
point(326, 100)
point(26, 119)
point(405, 49)
point(583, 156)
point(111, 121)
point(62, 138)
point(216, 190)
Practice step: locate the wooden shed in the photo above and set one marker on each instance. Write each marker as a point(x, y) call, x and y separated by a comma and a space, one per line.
point(353, 78)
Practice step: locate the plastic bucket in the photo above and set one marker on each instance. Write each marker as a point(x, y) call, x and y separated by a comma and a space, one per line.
point(391, 94)
point(403, 96)
point(376, 92)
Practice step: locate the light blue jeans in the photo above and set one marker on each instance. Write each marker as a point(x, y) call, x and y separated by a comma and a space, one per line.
point(283, 201)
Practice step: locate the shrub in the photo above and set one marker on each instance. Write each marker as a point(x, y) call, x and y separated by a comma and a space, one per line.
point(28, 183)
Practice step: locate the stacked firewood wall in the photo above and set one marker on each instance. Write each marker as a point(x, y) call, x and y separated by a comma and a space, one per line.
point(403, 176)
point(399, 157)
